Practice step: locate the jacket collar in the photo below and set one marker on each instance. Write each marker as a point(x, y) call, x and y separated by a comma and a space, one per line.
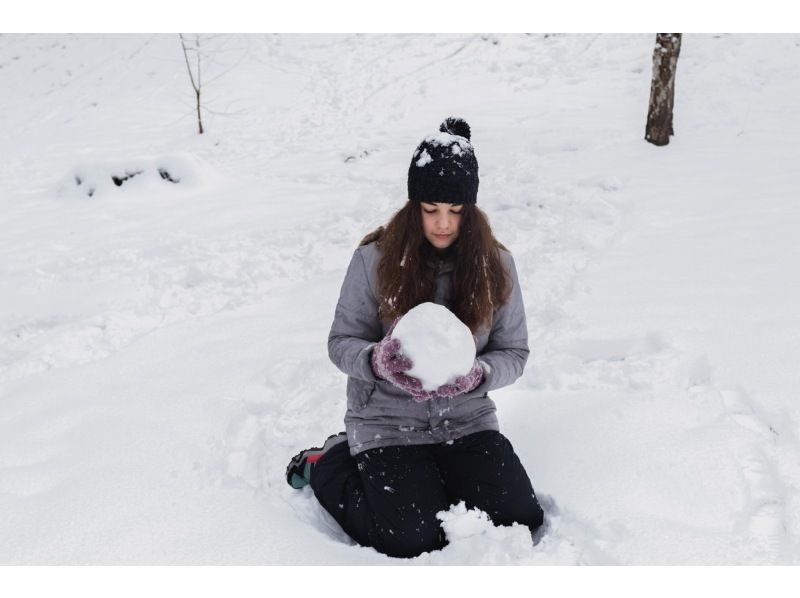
point(441, 262)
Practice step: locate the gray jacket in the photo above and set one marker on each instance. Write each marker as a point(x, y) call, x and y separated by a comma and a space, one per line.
point(380, 414)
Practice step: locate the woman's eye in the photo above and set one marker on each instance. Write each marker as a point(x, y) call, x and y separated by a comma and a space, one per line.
point(430, 211)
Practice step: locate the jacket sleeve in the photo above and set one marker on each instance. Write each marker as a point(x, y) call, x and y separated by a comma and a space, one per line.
point(356, 326)
point(506, 351)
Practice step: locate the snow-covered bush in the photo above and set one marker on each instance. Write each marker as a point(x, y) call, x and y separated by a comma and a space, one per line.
point(96, 178)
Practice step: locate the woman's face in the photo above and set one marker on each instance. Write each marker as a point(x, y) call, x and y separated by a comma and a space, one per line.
point(440, 222)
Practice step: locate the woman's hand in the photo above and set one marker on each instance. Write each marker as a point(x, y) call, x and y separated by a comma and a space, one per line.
point(463, 384)
point(389, 363)
point(460, 385)
point(387, 357)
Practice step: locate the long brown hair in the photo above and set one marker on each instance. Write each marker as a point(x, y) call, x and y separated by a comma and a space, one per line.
point(405, 279)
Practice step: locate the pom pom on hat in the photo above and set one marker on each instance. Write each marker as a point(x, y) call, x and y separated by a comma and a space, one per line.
point(456, 126)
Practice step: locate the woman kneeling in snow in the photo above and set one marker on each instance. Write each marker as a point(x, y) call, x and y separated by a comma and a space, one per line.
point(411, 451)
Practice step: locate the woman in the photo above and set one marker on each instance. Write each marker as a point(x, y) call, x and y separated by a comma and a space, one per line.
point(410, 453)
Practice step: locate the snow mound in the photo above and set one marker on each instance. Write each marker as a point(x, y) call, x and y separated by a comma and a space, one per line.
point(137, 175)
point(440, 346)
point(475, 540)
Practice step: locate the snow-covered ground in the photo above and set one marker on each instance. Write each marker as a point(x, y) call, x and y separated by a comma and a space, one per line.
point(162, 345)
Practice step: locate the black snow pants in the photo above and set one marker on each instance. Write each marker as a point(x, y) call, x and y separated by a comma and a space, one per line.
point(388, 497)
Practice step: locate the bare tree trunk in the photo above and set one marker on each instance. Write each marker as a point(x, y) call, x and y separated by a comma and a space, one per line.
point(662, 89)
point(197, 86)
point(199, 118)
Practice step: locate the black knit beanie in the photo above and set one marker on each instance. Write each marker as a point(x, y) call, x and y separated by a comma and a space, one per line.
point(443, 168)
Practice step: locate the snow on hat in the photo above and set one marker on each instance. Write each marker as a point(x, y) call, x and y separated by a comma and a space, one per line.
point(443, 168)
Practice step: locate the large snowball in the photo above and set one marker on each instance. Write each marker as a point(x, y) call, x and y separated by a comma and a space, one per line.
point(439, 345)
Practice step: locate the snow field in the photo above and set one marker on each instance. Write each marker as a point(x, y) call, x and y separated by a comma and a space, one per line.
point(162, 350)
